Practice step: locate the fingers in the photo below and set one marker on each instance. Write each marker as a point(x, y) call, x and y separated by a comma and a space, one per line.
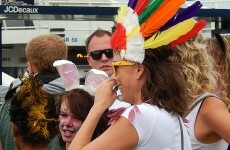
point(109, 82)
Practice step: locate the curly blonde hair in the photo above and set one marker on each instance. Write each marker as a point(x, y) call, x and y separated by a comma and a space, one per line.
point(220, 51)
point(197, 67)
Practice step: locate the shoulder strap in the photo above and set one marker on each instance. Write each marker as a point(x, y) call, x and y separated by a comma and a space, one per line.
point(197, 102)
point(181, 134)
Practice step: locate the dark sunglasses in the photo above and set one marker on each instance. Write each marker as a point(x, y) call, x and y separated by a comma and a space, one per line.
point(96, 55)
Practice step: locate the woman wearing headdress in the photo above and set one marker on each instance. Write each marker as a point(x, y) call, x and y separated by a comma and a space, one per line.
point(75, 103)
point(147, 70)
point(33, 116)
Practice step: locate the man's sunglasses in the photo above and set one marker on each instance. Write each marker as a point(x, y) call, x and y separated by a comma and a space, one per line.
point(96, 55)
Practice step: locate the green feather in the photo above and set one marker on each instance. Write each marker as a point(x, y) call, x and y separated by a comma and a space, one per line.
point(153, 5)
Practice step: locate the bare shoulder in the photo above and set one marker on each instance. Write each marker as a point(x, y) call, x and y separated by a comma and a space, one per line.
point(215, 115)
point(213, 105)
point(121, 135)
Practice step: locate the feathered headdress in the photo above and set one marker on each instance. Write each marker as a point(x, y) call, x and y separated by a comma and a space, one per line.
point(70, 77)
point(159, 21)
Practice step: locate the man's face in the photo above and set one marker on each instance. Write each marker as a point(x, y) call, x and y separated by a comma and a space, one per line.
point(104, 62)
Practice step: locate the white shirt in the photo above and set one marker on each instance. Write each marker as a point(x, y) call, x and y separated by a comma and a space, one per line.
point(157, 129)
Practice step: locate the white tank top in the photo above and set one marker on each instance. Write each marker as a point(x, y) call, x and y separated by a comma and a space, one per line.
point(191, 117)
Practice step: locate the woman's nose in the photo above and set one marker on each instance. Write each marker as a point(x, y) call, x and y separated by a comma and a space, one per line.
point(69, 124)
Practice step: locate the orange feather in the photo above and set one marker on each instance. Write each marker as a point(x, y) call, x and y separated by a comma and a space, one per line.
point(165, 12)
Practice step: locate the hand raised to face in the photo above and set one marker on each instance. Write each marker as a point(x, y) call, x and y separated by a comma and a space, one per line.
point(105, 94)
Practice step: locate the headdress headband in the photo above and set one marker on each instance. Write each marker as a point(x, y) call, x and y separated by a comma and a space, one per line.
point(69, 75)
point(221, 42)
point(158, 20)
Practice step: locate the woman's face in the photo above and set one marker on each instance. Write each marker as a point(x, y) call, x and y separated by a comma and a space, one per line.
point(126, 78)
point(68, 124)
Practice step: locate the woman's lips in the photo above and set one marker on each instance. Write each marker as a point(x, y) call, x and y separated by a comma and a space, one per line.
point(69, 133)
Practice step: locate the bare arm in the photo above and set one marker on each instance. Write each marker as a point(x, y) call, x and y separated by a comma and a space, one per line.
point(216, 117)
point(121, 135)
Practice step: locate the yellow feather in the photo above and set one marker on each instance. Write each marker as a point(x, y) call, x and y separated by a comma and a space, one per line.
point(169, 35)
point(123, 10)
point(133, 32)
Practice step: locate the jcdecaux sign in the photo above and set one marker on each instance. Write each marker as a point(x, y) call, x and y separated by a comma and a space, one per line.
point(71, 10)
point(24, 10)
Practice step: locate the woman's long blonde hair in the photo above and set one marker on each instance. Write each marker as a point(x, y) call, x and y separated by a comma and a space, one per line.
point(219, 49)
point(197, 67)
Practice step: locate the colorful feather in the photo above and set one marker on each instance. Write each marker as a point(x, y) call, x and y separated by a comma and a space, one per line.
point(132, 3)
point(115, 114)
point(183, 15)
point(169, 35)
point(133, 32)
point(160, 17)
point(197, 27)
point(136, 109)
point(118, 39)
point(130, 21)
point(135, 49)
point(141, 5)
point(131, 115)
point(122, 12)
point(149, 10)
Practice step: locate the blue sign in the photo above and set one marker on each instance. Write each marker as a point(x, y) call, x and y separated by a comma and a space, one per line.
point(71, 10)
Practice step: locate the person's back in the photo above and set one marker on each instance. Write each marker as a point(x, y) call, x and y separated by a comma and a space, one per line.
point(41, 52)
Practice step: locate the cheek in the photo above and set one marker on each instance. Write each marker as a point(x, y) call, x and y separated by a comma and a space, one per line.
point(95, 64)
point(61, 121)
point(77, 123)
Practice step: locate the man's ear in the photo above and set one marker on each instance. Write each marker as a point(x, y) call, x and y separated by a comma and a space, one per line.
point(31, 68)
point(140, 71)
point(15, 130)
point(88, 59)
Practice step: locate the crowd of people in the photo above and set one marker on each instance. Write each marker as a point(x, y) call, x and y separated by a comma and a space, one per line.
point(164, 88)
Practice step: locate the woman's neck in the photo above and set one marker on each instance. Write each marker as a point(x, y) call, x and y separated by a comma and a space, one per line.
point(67, 145)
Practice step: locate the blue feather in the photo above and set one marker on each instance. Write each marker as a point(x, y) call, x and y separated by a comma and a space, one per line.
point(183, 15)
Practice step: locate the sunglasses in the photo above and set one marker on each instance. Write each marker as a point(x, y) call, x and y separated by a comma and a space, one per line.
point(96, 55)
point(121, 63)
